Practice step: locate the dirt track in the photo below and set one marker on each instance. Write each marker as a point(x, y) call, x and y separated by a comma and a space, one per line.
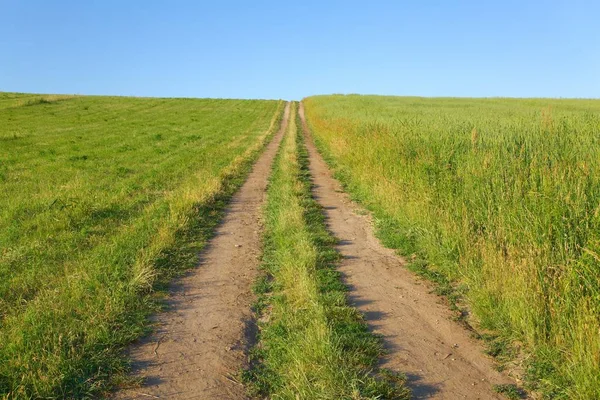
point(200, 345)
point(439, 357)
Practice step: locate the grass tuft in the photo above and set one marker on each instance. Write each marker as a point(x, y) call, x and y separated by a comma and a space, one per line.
point(511, 392)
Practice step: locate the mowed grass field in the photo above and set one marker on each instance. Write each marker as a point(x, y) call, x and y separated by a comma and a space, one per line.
point(498, 200)
point(103, 199)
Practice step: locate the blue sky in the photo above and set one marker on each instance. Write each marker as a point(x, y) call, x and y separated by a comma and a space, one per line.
point(293, 49)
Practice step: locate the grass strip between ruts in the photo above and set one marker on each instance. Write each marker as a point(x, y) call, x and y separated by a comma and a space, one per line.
point(312, 345)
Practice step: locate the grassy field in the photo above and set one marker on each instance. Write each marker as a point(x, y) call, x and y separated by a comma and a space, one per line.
point(499, 201)
point(312, 345)
point(103, 199)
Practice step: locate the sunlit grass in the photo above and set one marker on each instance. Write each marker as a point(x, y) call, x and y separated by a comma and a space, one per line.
point(101, 199)
point(500, 196)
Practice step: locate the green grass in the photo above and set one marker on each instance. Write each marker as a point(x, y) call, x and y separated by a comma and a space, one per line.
point(511, 392)
point(312, 345)
point(497, 199)
point(102, 201)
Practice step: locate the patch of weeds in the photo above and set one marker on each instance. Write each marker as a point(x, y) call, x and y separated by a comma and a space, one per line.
point(543, 377)
point(123, 171)
point(499, 347)
point(41, 100)
point(395, 380)
point(83, 157)
point(11, 137)
point(510, 391)
point(262, 287)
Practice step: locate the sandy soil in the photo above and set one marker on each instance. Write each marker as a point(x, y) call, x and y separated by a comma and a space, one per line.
point(199, 346)
point(438, 355)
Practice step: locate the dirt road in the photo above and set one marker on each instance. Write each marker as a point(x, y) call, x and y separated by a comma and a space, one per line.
point(439, 357)
point(200, 345)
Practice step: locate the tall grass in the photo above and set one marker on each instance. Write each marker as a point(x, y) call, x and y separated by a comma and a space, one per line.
point(500, 196)
point(312, 346)
point(101, 200)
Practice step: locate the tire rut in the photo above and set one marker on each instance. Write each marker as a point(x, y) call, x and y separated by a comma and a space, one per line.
point(200, 344)
point(439, 357)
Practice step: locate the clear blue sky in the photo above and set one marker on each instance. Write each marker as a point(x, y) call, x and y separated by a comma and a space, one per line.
point(292, 49)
